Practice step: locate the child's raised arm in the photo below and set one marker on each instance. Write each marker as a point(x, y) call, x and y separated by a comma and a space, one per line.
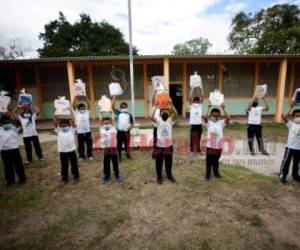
point(206, 112)
point(266, 107)
point(285, 116)
point(227, 116)
point(153, 114)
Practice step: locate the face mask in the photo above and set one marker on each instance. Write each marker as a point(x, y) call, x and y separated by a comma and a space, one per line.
point(81, 111)
point(107, 126)
point(65, 129)
point(254, 104)
point(297, 119)
point(27, 116)
point(7, 126)
point(214, 119)
point(164, 116)
point(124, 110)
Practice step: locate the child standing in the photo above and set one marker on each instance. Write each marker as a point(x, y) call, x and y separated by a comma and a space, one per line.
point(164, 146)
point(292, 150)
point(195, 121)
point(254, 124)
point(124, 125)
point(27, 119)
point(84, 134)
point(215, 126)
point(9, 147)
point(67, 149)
point(108, 140)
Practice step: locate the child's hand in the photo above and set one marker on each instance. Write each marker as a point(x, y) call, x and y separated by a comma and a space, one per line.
point(292, 104)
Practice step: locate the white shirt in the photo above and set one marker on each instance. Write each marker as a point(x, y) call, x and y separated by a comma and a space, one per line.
point(124, 121)
point(164, 132)
point(215, 134)
point(66, 140)
point(254, 115)
point(29, 128)
point(83, 122)
point(9, 138)
point(294, 135)
point(108, 138)
point(196, 114)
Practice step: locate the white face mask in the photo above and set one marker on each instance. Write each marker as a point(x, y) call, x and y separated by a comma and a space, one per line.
point(124, 110)
point(297, 119)
point(27, 115)
point(81, 111)
point(214, 119)
point(107, 126)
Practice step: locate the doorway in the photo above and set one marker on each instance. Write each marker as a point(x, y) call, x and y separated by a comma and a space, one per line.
point(175, 91)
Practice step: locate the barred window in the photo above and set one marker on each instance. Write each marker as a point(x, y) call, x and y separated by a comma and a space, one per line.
point(176, 72)
point(27, 75)
point(268, 74)
point(154, 70)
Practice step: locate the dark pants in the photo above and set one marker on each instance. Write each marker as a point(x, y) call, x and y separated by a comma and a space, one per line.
point(195, 138)
point(212, 161)
point(110, 155)
point(255, 130)
point(154, 140)
point(64, 161)
point(123, 137)
point(288, 156)
point(28, 141)
point(161, 155)
point(13, 163)
point(85, 138)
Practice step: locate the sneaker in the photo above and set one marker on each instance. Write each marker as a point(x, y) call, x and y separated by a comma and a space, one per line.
point(264, 153)
point(172, 179)
point(64, 181)
point(159, 181)
point(27, 162)
point(91, 158)
point(41, 159)
point(282, 180)
point(207, 178)
point(218, 176)
point(104, 180)
point(76, 179)
point(119, 179)
point(80, 159)
point(128, 156)
point(252, 153)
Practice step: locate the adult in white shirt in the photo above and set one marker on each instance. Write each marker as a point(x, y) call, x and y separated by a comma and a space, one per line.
point(254, 124)
point(292, 150)
point(195, 121)
point(164, 146)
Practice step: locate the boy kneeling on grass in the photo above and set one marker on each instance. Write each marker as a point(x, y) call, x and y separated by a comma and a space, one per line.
point(292, 150)
point(164, 144)
point(215, 126)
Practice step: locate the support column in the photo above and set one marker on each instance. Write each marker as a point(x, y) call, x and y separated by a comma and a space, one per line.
point(166, 72)
point(39, 88)
point(92, 90)
point(18, 79)
point(184, 89)
point(71, 79)
point(292, 82)
point(146, 98)
point(280, 90)
point(256, 75)
point(220, 77)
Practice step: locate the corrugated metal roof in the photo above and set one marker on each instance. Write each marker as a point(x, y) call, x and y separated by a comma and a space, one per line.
point(144, 57)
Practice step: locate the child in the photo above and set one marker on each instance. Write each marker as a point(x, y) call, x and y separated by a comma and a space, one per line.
point(156, 115)
point(9, 147)
point(292, 149)
point(164, 147)
point(214, 139)
point(254, 124)
point(108, 139)
point(67, 149)
point(195, 121)
point(27, 119)
point(84, 135)
point(124, 125)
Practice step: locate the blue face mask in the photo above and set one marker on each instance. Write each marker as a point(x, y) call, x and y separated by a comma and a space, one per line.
point(8, 126)
point(124, 110)
point(65, 129)
point(214, 119)
point(107, 126)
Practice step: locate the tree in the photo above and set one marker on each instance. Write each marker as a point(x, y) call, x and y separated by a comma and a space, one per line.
point(275, 30)
point(197, 46)
point(83, 38)
point(13, 49)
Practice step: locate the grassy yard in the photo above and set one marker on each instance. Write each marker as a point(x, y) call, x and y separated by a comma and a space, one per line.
point(243, 210)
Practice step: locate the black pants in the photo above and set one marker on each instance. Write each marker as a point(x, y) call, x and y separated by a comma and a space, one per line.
point(195, 138)
point(123, 137)
point(154, 140)
point(161, 155)
point(212, 161)
point(64, 161)
point(255, 130)
point(110, 155)
point(85, 138)
point(288, 156)
point(28, 141)
point(13, 163)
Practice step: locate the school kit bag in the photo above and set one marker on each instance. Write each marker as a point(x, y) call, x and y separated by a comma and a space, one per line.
point(62, 108)
point(261, 91)
point(195, 81)
point(115, 89)
point(25, 99)
point(79, 88)
point(4, 101)
point(216, 98)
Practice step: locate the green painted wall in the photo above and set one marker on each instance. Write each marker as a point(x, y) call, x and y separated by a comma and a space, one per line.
point(47, 110)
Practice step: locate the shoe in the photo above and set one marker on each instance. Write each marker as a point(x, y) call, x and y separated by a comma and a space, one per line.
point(104, 180)
point(91, 158)
point(172, 179)
point(283, 180)
point(76, 179)
point(264, 153)
point(207, 178)
point(80, 159)
point(128, 156)
point(41, 159)
point(159, 181)
point(64, 181)
point(27, 162)
point(252, 153)
point(119, 179)
point(218, 176)
point(22, 182)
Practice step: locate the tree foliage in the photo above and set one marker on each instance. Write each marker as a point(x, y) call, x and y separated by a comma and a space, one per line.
point(272, 31)
point(197, 46)
point(83, 38)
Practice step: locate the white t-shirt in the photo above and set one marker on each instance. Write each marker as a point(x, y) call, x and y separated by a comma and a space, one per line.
point(66, 140)
point(294, 135)
point(9, 138)
point(28, 127)
point(124, 121)
point(164, 132)
point(108, 138)
point(215, 134)
point(196, 114)
point(254, 115)
point(83, 122)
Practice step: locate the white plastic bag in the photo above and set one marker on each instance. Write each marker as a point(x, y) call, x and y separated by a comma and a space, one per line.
point(261, 91)
point(62, 107)
point(4, 101)
point(25, 99)
point(79, 88)
point(115, 89)
point(104, 104)
point(296, 97)
point(158, 83)
point(216, 98)
point(195, 81)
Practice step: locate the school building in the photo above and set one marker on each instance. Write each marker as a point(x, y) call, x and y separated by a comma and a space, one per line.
point(234, 75)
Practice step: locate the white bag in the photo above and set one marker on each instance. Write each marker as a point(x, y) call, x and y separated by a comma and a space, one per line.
point(261, 91)
point(158, 83)
point(195, 81)
point(216, 98)
point(115, 89)
point(62, 107)
point(104, 104)
point(79, 88)
point(296, 97)
point(4, 101)
point(25, 99)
